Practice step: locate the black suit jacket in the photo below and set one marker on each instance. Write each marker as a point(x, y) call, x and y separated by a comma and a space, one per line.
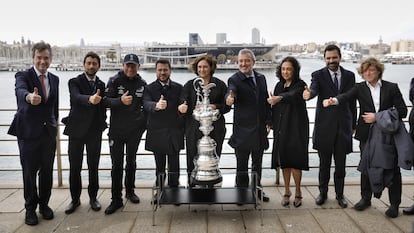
point(29, 120)
point(82, 114)
point(390, 96)
point(165, 128)
point(251, 110)
point(411, 117)
point(337, 120)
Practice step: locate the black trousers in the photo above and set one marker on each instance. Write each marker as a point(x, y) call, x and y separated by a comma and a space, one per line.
point(130, 142)
point(394, 191)
point(242, 156)
point(37, 157)
point(325, 160)
point(92, 142)
point(173, 167)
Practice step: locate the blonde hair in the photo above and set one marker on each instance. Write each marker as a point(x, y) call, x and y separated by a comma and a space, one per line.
point(371, 61)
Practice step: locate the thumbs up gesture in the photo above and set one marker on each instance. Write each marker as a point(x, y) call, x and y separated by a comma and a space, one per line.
point(182, 108)
point(230, 98)
point(328, 102)
point(96, 98)
point(34, 98)
point(126, 99)
point(161, 104)
point(273, 100)
point(306, 93)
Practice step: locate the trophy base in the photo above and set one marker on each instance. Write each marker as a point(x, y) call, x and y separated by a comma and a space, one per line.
point(204, 183)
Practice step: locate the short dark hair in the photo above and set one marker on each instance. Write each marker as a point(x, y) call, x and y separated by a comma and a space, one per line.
point(163, 61)
point(247, 51)
point(92, 55)
point(209, 59)
point(296, 69)
point(41, 46)
point(332, 47)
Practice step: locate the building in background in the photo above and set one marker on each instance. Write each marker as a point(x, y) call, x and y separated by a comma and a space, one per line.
point(195, 39)
point(255, 36)
point(402, 46)
point(221, 38)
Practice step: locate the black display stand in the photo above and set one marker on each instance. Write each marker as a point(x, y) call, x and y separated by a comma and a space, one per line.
point(225, 192)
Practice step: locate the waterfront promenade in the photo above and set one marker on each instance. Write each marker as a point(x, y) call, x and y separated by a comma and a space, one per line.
point(210, 218)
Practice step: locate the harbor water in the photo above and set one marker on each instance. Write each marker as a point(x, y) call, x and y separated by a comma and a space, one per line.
point(400, 74)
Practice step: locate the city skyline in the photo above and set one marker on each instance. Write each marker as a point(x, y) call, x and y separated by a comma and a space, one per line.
point(136, 22)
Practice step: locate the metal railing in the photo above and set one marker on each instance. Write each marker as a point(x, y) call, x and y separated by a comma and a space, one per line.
point(61, 167)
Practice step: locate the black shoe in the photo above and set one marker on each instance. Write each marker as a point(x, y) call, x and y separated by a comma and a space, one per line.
point(46, 212)
point(31, 218)
point(320, 199)
point(264, 196)
point(409, 210)
point(132, 197)
point(342, 201)
point(362, 204)
point(298, 201)
point(72, 207)
point(95, 205)
point(114, 206)
point(285, 200)
point(392, 212)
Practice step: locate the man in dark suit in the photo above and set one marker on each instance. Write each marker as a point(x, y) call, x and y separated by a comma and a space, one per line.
point(374, 95)
point(84, 126)
point(35, 125)
point(251, 117)
point(165, 129)
point(332, 133)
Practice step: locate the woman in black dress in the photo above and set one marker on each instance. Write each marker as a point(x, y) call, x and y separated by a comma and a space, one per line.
point(290, 127)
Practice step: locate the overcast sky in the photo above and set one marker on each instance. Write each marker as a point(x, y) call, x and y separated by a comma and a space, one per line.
point(167, 21)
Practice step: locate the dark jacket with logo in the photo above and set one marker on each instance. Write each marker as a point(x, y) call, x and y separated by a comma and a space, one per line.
point(125, 118)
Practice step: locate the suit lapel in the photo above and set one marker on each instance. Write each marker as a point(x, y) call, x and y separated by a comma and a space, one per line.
point(367, 92)
point(382, 94)
point(328, 79)
point(344, 80)
point(36, 81)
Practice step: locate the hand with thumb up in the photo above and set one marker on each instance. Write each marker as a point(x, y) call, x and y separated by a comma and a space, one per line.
point(273, 100)
point(126, 99)
point(34, 98)
point(182, 108)
point(96, 98)
point(161, 104)
point(306, 93)
point(230, 98)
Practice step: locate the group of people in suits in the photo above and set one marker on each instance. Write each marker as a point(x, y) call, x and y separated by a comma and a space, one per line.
point(335, 123)
point(164, 108)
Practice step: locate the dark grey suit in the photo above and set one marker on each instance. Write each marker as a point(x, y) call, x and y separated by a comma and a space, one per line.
point(84, 126)
point(35, 127)
point(251, 115)
point(333, 127)
point(165, 128)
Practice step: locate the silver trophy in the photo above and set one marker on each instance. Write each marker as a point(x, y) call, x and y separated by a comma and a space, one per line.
point(206, 170)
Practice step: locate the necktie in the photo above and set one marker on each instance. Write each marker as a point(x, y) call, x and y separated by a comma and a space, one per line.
point(336, 81)
point(42, 83)
point(252, 82)
point(91, 84)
